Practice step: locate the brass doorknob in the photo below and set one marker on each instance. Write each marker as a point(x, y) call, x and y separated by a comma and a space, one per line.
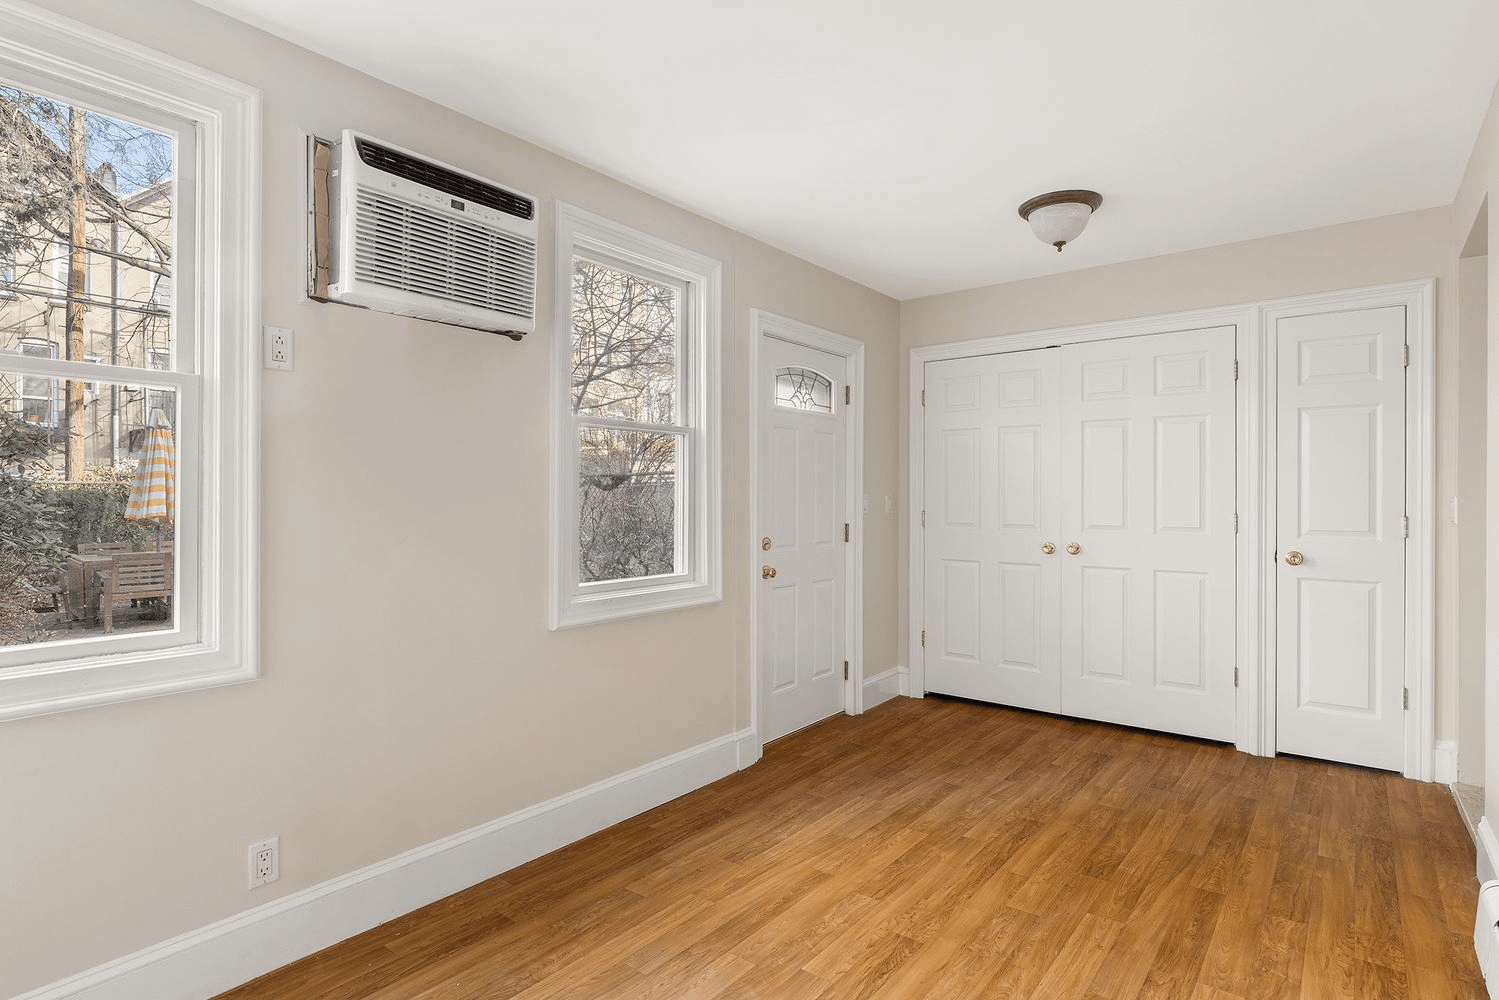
point(765, 543)
point(1293, 558)
point(767, 572)
point(1073, 548)
point(1048, 548)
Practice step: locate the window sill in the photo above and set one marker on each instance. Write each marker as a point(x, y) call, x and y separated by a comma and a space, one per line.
point(592, 610)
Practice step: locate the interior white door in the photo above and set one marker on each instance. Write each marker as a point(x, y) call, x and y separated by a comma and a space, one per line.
point(1147, 499)
point(991, 512)
point(1340, 567)
point(803, 568)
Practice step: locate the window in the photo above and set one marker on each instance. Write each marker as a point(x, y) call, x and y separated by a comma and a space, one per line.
point(635, 511)
point(804, 389)
point(180, 202)
point(160, 360)
point(7, 252)
point(37, 393)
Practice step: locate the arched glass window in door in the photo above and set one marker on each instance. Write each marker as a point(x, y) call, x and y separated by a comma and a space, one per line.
point(804, 389)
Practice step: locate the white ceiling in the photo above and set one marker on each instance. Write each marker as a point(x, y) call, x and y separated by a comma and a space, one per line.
point(891, 140)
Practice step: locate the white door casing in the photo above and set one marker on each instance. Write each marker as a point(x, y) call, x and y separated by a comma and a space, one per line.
point(1147, 498)
point(991, 446)
point(1340, 545)
point(802, 576)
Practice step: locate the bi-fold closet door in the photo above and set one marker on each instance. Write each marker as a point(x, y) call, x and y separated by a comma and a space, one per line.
point(1079, 526)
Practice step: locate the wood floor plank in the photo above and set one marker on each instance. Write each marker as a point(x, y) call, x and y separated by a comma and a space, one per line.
point(936, 848)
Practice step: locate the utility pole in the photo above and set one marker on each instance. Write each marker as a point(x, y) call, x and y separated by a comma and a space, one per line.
point(77, 282)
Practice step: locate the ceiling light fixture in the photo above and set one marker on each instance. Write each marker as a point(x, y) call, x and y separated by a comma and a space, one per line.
point(1058, 217)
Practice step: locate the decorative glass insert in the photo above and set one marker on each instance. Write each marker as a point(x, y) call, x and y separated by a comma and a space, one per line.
point(804, 389)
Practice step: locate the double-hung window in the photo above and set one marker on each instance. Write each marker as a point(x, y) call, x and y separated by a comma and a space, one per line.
point(127, 456)
point(635, 511)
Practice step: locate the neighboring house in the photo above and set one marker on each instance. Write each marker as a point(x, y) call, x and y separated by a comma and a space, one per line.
point(127, 309)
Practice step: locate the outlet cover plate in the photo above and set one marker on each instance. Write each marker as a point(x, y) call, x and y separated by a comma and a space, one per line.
point(265, 861)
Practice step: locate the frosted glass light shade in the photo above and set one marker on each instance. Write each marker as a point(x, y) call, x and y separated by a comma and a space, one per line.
point(1058, 218)
point(1059, 224)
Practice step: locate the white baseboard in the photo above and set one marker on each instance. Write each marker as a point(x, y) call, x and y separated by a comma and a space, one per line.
point(212, 959)
point(895, 682)
point(1444, 762)
point(747, 748)
point(1487, 851)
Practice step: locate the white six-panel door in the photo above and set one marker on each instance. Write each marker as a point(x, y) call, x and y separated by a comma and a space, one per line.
point(802, 438)
point(1125, 451)
point(1340, 560)
point(1148, 575)
point(991, 442)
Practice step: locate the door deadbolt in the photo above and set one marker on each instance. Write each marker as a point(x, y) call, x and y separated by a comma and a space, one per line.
point(765, 543)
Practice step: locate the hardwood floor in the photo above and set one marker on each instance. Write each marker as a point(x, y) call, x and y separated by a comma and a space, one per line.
point(942, 849)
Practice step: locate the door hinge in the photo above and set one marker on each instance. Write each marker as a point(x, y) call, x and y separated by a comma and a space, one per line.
point(1407, 699)
point(923, 638)
point(1405, 525)
point(1236, 524)
point(1405, 353)
point(923, 397)
point(845, 531)
point(923, 519)
point(845, 670)
point(1236, 676)
point(848, 394)
point(1236, 369)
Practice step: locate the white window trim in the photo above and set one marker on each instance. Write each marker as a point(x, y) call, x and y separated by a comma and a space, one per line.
point(571, 604)
point(220, 592)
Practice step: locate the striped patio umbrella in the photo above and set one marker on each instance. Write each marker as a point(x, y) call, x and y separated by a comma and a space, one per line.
point(153, 495)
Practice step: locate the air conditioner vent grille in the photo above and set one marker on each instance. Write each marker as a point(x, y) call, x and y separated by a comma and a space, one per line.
point(412, 248)
point(439, 178)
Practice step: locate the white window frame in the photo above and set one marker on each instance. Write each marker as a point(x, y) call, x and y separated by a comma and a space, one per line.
point(215, 637)
point(700, 535)
point(22, 396)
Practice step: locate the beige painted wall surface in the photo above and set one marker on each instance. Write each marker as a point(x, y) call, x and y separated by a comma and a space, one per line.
point(1472, 532)
point(411, 688)
point(1479, 184)
point(1395, 248)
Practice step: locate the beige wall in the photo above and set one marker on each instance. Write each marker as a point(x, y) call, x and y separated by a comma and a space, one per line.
point(411, 688)
point(1480, 180)
point(1396, 248)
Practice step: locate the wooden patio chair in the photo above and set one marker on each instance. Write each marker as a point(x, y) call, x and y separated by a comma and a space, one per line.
point(132, 576)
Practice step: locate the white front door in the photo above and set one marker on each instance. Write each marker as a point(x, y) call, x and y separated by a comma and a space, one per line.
point(1340, 538)
point(1148, 565)
point(803, 554)
point(991, 513)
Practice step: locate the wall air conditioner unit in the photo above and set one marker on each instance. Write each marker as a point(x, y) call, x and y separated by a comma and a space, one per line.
point(419, 238)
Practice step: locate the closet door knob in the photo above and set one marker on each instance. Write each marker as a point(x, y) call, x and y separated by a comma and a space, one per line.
point(767, 572)
point(1073, 548)
point(1293, 558)
point(1048, 548)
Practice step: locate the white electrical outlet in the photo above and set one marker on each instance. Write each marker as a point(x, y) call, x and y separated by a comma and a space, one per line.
point(278, 347)
point(265, 862)
point(889, 505)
